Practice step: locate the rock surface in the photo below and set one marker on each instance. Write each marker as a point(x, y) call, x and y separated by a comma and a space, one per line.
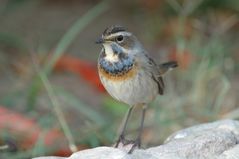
point(216, 140)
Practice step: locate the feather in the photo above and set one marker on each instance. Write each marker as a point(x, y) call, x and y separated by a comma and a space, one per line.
point(165, 67)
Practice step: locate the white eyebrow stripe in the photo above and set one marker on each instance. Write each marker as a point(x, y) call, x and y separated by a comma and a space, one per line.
point(119, 33)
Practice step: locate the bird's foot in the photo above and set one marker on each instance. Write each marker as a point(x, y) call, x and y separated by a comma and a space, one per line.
point(135, 144)
point(122, 140)
point(131, 145)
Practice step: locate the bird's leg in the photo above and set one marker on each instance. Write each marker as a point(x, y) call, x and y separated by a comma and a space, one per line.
point(122, 133)
point(137, 142)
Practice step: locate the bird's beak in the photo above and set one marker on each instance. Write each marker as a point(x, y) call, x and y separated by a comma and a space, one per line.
point(100, 40)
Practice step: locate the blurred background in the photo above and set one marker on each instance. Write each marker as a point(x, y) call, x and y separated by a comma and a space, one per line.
point(51, 100)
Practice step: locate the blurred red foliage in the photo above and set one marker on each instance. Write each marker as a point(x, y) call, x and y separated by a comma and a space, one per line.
point(184, 58)
point(25, 132)
point(86, 70)
point(151, 5)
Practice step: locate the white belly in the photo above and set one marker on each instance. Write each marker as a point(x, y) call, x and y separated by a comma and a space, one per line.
point(141, 89)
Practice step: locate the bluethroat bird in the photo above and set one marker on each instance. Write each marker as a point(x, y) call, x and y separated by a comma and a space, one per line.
point(129, 75)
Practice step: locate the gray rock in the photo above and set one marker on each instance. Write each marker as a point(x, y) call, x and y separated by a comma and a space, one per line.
point(217, 140)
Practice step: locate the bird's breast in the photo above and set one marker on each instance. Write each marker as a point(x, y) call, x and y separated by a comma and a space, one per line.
point(117, 71)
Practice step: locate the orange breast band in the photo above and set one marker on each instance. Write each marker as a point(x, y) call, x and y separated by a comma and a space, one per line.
point(122, 76)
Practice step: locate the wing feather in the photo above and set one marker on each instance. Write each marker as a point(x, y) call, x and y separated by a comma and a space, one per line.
point(155, 73)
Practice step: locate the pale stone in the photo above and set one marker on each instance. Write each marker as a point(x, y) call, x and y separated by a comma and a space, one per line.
point(216, 140)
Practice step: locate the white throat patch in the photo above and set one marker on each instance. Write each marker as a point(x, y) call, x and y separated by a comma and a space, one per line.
point(110, 56)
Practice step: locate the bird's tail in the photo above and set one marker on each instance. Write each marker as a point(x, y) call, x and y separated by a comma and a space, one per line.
point(165, 67)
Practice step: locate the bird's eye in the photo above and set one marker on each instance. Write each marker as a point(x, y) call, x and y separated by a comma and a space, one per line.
point(120, 38)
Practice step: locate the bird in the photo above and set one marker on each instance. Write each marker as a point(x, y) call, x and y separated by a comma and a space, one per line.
point(129, 75)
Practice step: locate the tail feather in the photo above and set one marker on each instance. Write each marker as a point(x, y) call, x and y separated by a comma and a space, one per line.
point(165, 67)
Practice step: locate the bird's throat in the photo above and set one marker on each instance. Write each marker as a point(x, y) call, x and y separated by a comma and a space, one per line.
point(110, 55)
point(121, 66)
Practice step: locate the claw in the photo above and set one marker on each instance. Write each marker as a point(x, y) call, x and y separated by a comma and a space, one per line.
point(121, 139)
point(136, 144)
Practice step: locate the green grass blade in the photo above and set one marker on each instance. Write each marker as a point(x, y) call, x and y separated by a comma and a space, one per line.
point(72, 33)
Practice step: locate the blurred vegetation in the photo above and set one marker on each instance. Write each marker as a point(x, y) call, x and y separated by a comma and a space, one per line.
point(202, 35)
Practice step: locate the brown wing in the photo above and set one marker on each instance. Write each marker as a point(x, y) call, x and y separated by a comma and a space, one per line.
point(160, 83)
point(155, 73)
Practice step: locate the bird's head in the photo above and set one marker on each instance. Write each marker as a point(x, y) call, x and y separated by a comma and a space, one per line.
point(118, 42)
